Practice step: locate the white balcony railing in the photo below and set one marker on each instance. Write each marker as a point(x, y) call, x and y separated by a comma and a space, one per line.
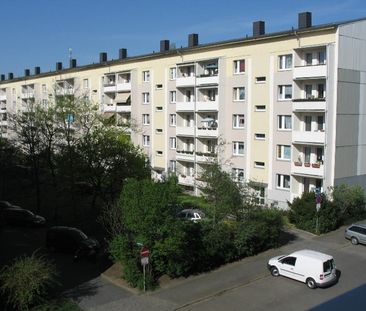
point(184, 130)
point(185, 81)
point(185, 155)
point(307, 169)
point(207, 105)
point(207, 80)
point(207, 131)
point(311, 72)
point(184, 106)
point(309, 105)
point(314, 137)
point(185, 180)
point(2, 96)
point(27, 95)
point(123, 87)
point(110, 88)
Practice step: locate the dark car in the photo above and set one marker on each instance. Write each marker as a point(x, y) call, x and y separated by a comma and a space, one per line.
point(71, 240)
point(21, 217)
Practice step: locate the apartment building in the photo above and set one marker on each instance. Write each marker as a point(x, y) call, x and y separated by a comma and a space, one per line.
point(285, 110)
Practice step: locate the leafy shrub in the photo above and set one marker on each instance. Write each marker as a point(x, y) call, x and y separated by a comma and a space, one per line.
point(26, 281)
point(58, 305)
point(330, 217)
point(303, 212)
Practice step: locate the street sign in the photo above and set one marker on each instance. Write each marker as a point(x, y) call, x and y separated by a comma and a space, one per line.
point(144, 261)
point(145, 252)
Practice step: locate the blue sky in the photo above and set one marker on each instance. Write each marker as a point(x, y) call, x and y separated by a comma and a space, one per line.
point(40, 32)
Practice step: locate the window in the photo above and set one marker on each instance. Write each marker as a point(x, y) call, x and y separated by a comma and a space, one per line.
point(159, 86)
point(146, 97)
point(173, 96)
point(284, 92)
point(319, 154)
point(159, 131)
point(260, 108)
point(44, 88)
point(321, 90)
point(237, 174)
point(159, 153)
point(309, 91)
point(173, 73)
point(172, 142)
point(260, 79)
point(189, 97)
point(320, 121)
point(173, 119)
point(146, 140)
point(308, 123)
point(238, 148)
point(159, 108)
point(289, 261)
point(309, 59)
point(285, 62)
point(239, 66)
point(259, 164)
point(86, 83)
point(44, 103)
point(239, 93)
point(321, 57)
point(284, 122)
point(283, 152)
point(238, 121)
point(146, 76)
point(259, 136)
point(146, 119)
point(283, 181)
point(172, 166)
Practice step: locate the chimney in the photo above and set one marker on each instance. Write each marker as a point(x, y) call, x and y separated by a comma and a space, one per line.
point(37, 70)
point(10, 76)
point(304, 20)
point(192, 40)
point(258, 28)
point(26, 72)
point(103, 57)
point(122, 53)
point(164, 45)
point(73, 63)
point(2, 77)
point(58, 66)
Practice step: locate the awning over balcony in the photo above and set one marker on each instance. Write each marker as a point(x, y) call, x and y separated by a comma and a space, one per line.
point(123, 97)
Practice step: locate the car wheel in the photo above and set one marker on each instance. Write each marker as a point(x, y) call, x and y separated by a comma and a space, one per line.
point(311, 283)
point(354, 241)
point(274, 271)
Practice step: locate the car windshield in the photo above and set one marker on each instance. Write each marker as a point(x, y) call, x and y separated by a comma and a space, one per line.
point(79, 235)
point(328, 266)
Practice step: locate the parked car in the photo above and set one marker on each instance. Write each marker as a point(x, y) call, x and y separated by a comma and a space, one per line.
point(311, 267)
point(71, 240)
point(5, 204)
point(191, 214)
point(21, 217)
point(356, 233)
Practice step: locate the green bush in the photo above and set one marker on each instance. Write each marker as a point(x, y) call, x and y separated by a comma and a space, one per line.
point(58, 305)
point(303, 212)
point(26, 281)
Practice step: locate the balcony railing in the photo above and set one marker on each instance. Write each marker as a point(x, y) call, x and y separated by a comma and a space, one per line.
point(184, 106)
point(207, 131)
point(185, 81)
point(307, 169)
point(2, 96)
point(123, 87)
point(310, 104)
point(184, 130)
point(207, 80)
point(185, 180)
point(311, 72)
point(313, 137)
point(208, 105)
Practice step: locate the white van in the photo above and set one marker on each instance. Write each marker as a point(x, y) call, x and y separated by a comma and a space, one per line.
point(311, 267)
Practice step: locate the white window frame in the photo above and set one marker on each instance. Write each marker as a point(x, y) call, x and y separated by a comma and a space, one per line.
point(145, 119)
point(86, 84)
point(281, 152)
point(237, 147)
point(146, 76)
point(238, 174)
point(159, 108)
point(259, 109)
point(280, 181)
point(237, 63)
point(146, 140)
point(172, 119)
point(146, 98)
point(173, 97)
point(159, 131)
point(172, 142)
point(237, 93)
point(281, 119)
point(260, 136)
point(173, 73)
point(172, 165)
point(237, 118)
point(282, 92)
point(282, 62)
point(259, 164)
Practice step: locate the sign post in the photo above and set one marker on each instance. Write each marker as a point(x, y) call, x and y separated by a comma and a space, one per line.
point(144, 253)
point(318, 201)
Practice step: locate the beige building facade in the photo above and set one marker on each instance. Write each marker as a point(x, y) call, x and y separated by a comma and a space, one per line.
point(285, 110)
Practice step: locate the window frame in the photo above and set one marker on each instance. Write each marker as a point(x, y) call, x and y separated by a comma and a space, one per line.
point(281, 96)
point(236, 121)
point(145, 98)
point(146, 76)
point(281, 119)
point(172, 143)
point(282, 62)
point(237, 93)
point(173, 117)
point(237, 66)
point(237, 148)
point(145, 119)
point(281, 181)
point(280, 152)
point(146, 140)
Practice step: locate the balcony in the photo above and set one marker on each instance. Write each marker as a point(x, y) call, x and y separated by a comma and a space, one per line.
point(184, 131)
point(109, 88)
point(208, 132)
point(27, 95)
point(316, 104)
point(307, 169)
point(2, 107)
point(63, 92)
point(308, 138)
point(207, 80)
point(205, 157)
point(184, 106)
point(185, 81)
point(117, 108)
point(208, 105)
point(124, 87)
point(185, 180)
point(310, 72)
point(183, 155)
point(2, 97)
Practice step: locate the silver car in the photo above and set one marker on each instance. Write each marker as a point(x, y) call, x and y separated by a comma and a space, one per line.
point(356, 233)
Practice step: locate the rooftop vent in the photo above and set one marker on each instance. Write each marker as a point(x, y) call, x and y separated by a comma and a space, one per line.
point(258, 28)
point(10, 76)
point(26, 72)
point(103, 57)
point(122, 53)
point(58, 66)
point(73, 63)
point(304, 20)
point(37, 70)
point(192, 40)
point(164, 45)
